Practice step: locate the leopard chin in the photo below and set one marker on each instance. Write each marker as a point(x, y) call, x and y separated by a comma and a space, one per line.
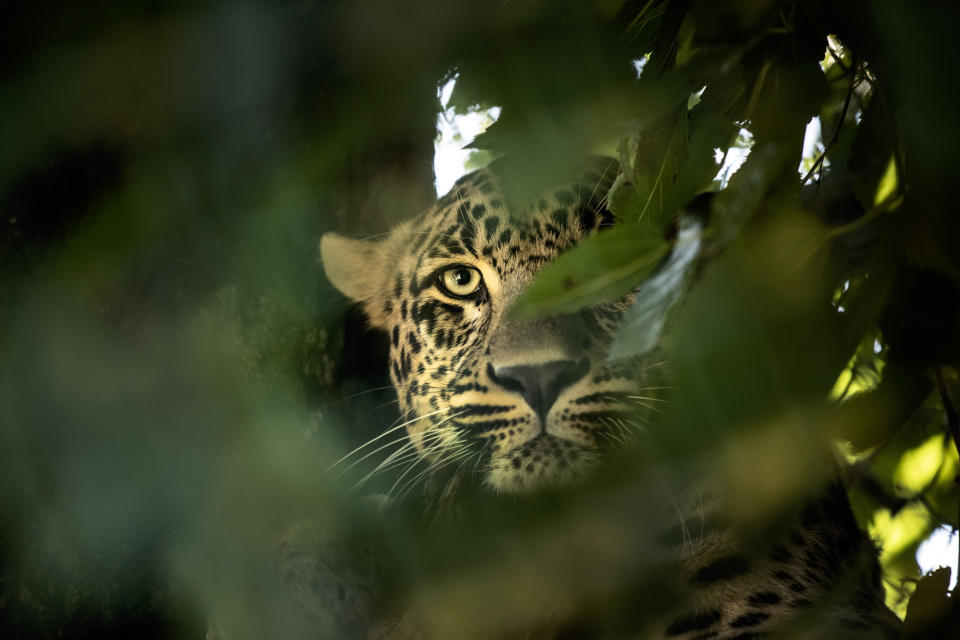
point(544, 462)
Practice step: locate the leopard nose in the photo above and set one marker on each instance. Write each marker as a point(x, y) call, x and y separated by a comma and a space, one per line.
point(541, 384)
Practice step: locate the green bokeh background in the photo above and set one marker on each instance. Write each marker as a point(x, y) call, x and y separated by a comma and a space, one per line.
point(176, 375)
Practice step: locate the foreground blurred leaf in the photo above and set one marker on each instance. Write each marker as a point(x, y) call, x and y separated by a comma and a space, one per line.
point(542, 139)
point(605, 267)
point(643, 322)
point(932, 610)
point(674, 161)
point(200, 72)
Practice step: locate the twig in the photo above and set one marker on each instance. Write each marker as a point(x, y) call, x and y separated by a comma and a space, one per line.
point(888, 204)
point(836, 58)
point(836, 132)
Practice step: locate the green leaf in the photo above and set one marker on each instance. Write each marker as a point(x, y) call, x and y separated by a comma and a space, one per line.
point(673, 163)
point(872, 149)
point(644, 321)
point(546, 135)
point(605, 267)
point(767, 169)
point(888, 184)
point(624, 200)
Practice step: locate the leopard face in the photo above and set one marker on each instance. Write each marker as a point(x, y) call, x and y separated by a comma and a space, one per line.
point(526, 402)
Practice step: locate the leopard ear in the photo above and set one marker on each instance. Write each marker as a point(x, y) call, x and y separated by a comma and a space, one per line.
point(355, 267)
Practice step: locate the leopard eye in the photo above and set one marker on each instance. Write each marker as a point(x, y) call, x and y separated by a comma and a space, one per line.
point(460, 282)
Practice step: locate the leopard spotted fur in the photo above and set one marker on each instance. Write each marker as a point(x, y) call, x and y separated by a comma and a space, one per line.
point(537, 402)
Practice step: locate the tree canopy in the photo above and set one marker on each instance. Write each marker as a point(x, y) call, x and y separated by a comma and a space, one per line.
point(177, 377)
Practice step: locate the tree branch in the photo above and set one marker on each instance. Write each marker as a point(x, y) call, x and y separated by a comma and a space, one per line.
point(836, 133)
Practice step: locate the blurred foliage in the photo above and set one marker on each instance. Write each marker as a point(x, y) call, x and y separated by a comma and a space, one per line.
point(176, 377)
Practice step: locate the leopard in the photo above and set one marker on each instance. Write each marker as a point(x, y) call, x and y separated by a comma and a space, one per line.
point(535, 402)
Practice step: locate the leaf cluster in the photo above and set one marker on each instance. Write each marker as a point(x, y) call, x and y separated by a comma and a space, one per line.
point(171, 376)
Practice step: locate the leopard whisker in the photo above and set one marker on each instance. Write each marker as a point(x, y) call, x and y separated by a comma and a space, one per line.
point(464, 452)
point(389, 387)
point(401, 457)
point(382, 435)
point(646, 406)
point(410, 458)
point(618, 432)
point(357, 395)
point(632, 435)
point(480, 452)
point(642, 428)
point(649, 398)
point(389, 444)
point(443, 443)
point(403, 489)
point(395, 401)
point(375, 236)
point(411, 467)
point(653, 365)
point(684, 530)
point(398, 458)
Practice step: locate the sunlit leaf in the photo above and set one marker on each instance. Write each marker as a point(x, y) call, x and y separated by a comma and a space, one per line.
point(862, 373)
point(888, 184)
point(919, 466)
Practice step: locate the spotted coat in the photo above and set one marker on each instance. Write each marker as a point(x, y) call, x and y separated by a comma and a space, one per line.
point(531, 403)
